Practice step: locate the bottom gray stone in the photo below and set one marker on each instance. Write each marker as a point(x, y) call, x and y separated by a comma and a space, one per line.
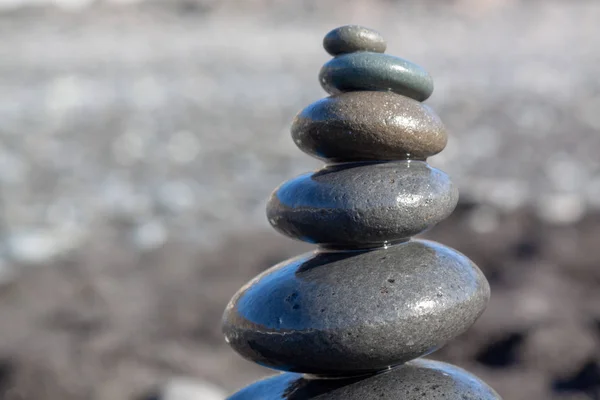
point(415, 380)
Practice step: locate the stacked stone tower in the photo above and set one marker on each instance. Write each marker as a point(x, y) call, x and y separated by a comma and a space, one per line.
point(350, 320)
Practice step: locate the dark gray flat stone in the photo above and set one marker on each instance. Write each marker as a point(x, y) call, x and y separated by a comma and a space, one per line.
point(369, 126)
point(416, 380)
point(353, 38)
point(344, 312)
point(362, 204)
point(378, 72)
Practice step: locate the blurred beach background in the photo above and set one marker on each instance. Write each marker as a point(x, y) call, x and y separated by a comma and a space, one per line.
point(139, 141)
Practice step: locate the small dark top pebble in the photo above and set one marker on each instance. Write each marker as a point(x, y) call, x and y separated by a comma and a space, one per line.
point(353, 38)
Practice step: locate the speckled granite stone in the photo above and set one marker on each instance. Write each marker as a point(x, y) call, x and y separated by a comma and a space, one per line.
point(362, 204)
point(374, 71)
point(353, 38)
point(416, 380)
point(368, 126)
point(348, 312)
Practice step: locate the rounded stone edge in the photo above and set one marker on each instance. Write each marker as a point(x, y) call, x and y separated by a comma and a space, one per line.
point(233, 323)
point(297, 222)
point(327, 139)
point(276, 386)
point(353, 38)
point(359, 72)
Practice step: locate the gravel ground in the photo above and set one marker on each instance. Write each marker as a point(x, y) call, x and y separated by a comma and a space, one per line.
point(138, 143)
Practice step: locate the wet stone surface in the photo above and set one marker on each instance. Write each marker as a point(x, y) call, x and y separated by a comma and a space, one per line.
point(378, 72)
point(416, 380)
point(353, 38)
point(508, 111)
point(362, 204)
point(344, 313)
point(368, 126)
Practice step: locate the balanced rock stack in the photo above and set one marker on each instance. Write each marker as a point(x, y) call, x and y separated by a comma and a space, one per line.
point(349, 320)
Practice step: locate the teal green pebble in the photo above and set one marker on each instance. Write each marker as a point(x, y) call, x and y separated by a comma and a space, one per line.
point(375, 72)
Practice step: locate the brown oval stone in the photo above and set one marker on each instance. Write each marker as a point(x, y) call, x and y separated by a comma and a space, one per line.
point(366, 125)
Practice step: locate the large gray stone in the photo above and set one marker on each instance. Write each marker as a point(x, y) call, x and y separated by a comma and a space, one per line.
point(342, 312)
point(362, 204)
point(416, 380)
point(374, 71)
point(369, 126)
point(353, 38)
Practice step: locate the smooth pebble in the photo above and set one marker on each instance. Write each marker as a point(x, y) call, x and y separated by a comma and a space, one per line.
point(353, 38)
point(358, 126)
point(350, 312)
point(358, 205)
point(416, 380)
point(378, 72)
